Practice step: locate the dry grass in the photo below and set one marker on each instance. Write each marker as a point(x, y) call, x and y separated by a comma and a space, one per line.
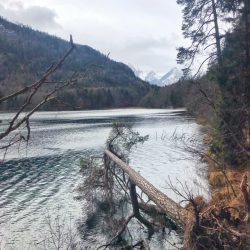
point(200, 202)
point(222, 191)
point(216, 179)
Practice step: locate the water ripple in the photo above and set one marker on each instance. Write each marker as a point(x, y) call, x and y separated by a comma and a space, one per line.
point(41, 181)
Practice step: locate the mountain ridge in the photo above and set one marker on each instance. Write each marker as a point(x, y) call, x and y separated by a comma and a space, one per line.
point(25, 54)
point(172, 76)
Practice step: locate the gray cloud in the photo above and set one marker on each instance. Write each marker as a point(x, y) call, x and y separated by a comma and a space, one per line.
point(149, 43)
point(39, 17)
point(158, 54)
point(143, 33)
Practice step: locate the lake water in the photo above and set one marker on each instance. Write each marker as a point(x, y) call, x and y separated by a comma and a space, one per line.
point(38, 181)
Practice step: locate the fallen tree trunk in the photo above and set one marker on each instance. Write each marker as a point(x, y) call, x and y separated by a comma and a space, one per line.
point(173, 210)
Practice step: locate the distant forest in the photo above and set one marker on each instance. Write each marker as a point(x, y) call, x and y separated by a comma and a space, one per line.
point(25, 54)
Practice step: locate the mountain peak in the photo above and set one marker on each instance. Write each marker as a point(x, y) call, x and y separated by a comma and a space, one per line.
point(152, 77)
point(172, 76)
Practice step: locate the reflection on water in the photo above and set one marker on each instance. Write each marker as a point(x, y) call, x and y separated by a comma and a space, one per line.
point(38, 181)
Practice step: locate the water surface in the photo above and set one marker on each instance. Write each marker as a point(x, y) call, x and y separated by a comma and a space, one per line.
point(39, 179)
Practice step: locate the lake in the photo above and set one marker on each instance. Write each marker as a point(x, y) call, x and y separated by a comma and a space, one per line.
point(38, 181)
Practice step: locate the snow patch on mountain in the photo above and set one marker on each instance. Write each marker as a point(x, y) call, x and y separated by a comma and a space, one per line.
point(139, 73)
point(152, 78)
point(172, 76)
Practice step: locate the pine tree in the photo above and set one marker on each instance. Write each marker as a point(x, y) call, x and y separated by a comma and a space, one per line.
point(229, 66)
point(201, 26)
point(236, 69)
point(241, 17)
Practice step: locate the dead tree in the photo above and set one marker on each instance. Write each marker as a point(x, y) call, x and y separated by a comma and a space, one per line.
point(21, 120)
point(114, 183)
point(171, 208)
point(205, 225)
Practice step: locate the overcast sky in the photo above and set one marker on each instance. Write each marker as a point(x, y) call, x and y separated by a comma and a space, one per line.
point(142, 33)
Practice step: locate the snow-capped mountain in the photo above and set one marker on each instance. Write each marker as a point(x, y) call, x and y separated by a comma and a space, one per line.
point(170, 77)
point(152, 78)
point(139, 73)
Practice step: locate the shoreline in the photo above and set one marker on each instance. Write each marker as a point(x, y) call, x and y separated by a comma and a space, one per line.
point(226, 208)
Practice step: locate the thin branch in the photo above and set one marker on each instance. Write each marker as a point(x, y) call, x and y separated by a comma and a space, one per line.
point(119, 233)
point(208, 58)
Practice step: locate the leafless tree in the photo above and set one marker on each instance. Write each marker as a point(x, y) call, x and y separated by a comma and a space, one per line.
point(12, 133)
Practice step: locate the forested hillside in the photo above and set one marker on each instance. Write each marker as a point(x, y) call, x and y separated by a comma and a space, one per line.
point(25, 54)
point(224, 90)
point(221, 97)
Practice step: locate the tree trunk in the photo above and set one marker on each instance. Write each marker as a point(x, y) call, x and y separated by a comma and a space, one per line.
point(173, 210)
point(246, 21)
point(246, 193)
point(217, 33)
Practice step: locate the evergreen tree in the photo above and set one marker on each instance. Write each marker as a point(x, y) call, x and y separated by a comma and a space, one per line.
point(201, 26)
point(230, 71)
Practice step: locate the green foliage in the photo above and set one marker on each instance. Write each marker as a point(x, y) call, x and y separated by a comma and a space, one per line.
point(171, 96)
point(224, 90)
point(200, 26)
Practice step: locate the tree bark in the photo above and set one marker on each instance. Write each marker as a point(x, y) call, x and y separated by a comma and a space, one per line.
point(217, 33)
point(246, 194)
point(246, 21)
point(172, 210)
